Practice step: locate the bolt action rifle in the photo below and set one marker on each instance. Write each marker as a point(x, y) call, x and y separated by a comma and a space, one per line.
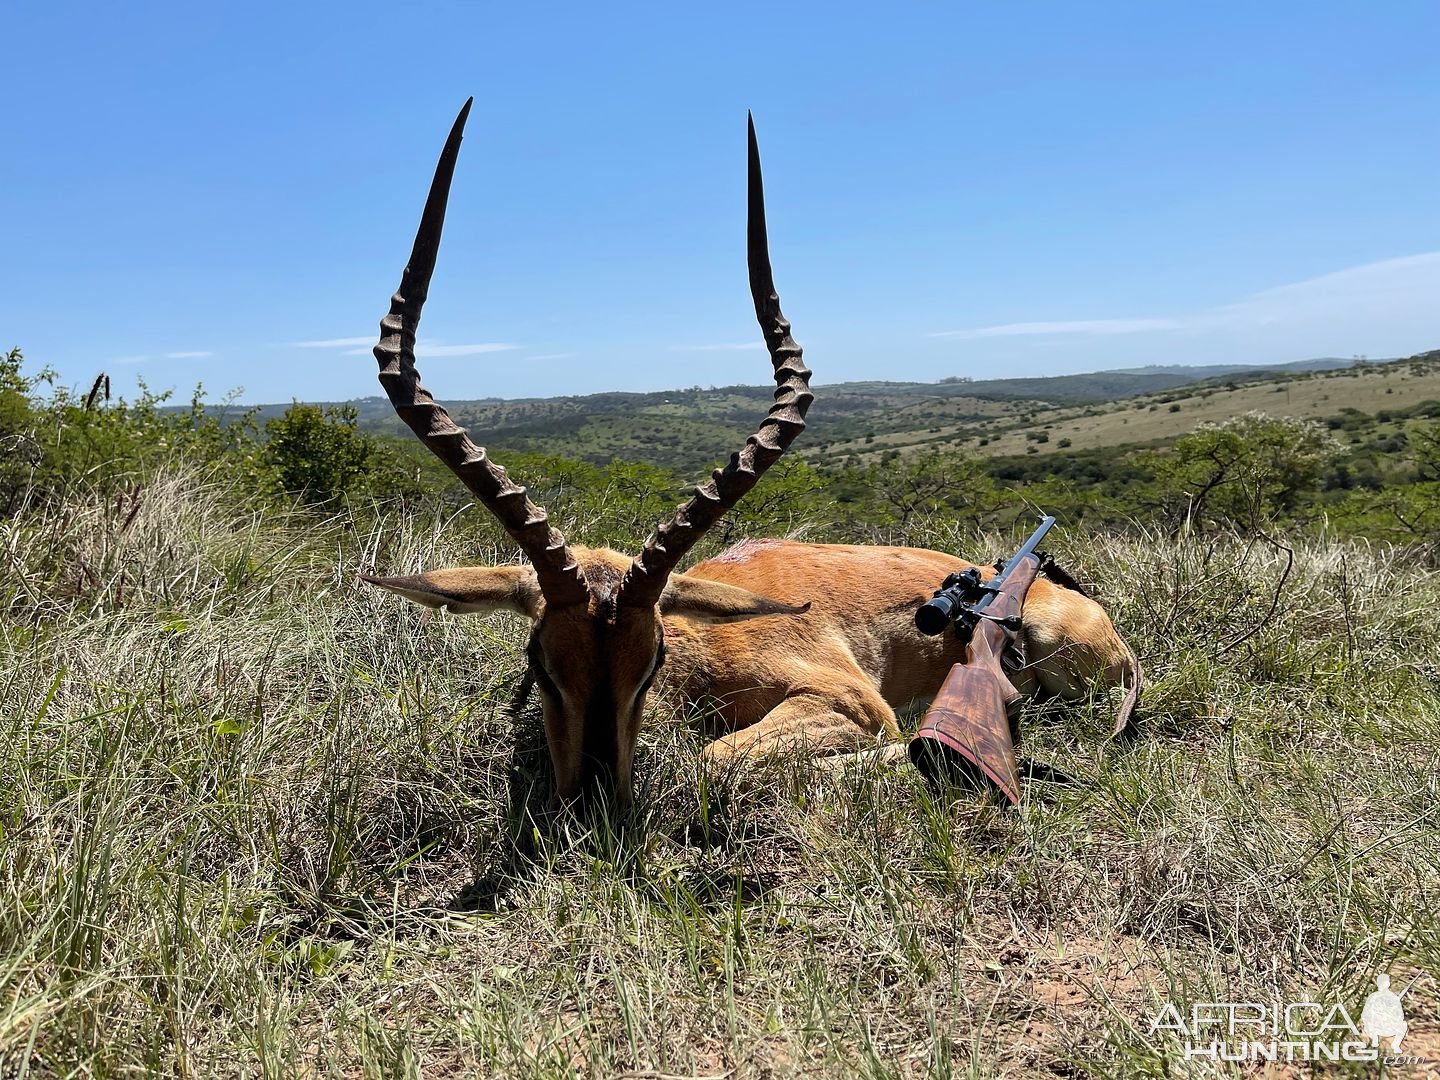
point(968, 735)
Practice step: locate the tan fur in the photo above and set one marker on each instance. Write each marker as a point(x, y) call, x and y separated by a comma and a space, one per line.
point(808, 646)
point(832, 679)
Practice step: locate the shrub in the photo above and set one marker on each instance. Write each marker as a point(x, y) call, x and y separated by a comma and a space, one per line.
point(1245, 470)
point(319, 454)
point(57, 443)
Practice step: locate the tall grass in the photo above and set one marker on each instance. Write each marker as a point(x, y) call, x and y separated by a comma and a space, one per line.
point(258, 820)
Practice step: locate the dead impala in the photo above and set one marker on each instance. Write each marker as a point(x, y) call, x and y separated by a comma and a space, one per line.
point(761, 630)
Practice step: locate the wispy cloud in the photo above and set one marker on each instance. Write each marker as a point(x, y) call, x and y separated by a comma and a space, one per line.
point(465, 350)
point(361, 346)
point(550, 356)
point(330, 343)
point(448, 350)
point(1373, 289)
point(1076, 326)
point(194, 354)
point(130, 360)
point(747, 346)
point(1387, 294)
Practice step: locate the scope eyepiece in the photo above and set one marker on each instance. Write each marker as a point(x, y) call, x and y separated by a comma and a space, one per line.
point(949, 603)
point(933, 616)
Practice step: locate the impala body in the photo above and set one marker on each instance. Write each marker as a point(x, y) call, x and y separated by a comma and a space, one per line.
point(799, 645)
point(832, 682)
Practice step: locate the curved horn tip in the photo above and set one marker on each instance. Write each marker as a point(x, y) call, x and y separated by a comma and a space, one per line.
point(458, 128)
point(669, 543)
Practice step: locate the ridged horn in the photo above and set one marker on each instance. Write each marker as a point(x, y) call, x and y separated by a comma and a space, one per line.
point(645, 579)
point(561, 579)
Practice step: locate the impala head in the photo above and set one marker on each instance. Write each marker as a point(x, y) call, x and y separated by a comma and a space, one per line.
point(597, 639)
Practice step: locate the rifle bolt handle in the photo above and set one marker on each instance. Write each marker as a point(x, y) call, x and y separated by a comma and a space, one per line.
point(1009, 622)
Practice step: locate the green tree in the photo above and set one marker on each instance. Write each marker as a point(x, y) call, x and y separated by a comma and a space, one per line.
point(319, 454)
point(926, 485)
point(1414, 508)
point(790, 495)
point(1246, 470)
point(20, 450)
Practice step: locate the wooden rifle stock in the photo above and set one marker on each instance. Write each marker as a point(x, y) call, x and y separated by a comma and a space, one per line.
point(967, 736)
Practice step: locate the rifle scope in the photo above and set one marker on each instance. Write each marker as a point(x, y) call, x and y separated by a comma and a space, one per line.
point(949, 600)
point(963, 597)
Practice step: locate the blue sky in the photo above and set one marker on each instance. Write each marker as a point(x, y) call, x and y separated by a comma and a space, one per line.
point(201, 193)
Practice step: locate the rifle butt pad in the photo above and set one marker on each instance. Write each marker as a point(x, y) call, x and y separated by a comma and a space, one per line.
point(965, 737)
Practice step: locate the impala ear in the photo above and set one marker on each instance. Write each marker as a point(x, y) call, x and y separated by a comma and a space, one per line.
point(716, 602)
point(470, 590)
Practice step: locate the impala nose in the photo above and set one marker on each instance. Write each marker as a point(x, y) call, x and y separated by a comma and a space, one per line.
point(600, 757)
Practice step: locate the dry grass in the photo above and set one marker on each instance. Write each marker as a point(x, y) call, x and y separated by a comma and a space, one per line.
point(257, 821)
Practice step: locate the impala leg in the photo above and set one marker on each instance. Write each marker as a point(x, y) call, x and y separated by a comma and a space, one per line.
point(814, 724)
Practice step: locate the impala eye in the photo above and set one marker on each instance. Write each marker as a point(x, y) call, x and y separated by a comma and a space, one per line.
point(547, 687)
point(537, 670)
point(655, 670)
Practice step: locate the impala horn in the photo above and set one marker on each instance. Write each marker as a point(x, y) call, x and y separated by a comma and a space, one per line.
point(561, 579)
point(646, 577)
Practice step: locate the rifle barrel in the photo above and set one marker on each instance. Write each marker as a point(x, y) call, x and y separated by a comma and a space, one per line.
point(995, 584)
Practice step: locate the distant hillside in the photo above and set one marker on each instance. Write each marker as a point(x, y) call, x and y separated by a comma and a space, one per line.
point(1131, 382)
point(1374, 389)
point(691, 429)
point(1321, 363)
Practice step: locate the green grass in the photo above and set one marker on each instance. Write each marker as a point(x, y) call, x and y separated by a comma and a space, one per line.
point(256, 820)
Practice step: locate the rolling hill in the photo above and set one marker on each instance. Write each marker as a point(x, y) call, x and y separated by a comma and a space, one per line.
point(1158, 419)
point(691, 429)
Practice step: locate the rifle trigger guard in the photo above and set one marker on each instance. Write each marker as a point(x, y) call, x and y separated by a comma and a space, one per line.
point(1012, 657)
